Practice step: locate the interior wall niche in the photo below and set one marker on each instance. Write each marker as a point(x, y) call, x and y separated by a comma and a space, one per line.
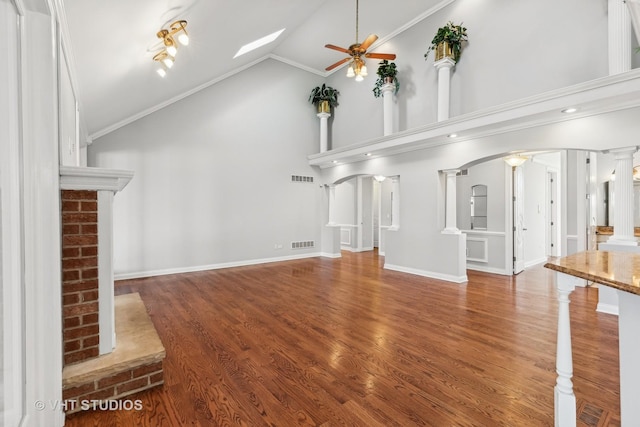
point(478, 204)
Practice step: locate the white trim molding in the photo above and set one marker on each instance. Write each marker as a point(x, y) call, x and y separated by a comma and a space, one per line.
point(429, 274)
point(85, 178)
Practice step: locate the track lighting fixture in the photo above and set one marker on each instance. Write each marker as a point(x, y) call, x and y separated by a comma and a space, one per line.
point(167, 56)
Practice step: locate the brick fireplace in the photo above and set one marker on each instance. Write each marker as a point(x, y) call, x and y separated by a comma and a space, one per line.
point(97, 363)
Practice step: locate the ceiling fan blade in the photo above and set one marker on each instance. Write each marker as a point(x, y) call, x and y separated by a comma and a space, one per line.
point(342, 61)
point(338, 48)
point(368, 42)
point(389, 56)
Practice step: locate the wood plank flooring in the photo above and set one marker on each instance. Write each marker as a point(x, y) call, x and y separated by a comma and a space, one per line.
point(326, 342)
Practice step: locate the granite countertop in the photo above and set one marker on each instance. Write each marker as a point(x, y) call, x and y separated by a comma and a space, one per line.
point(619, 270)
point(606, 230)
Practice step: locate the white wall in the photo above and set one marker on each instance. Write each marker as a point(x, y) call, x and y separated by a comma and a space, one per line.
point(212, 184)
point(493, 69)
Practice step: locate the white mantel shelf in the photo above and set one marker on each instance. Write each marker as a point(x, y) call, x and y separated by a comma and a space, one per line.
point(599, 96)
point(87, 178)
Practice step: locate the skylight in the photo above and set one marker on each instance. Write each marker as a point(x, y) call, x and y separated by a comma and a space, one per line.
point(258, 43)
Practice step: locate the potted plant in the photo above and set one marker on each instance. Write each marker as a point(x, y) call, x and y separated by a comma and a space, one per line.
point(448, 41)
point(387, 72)
point(324, 97)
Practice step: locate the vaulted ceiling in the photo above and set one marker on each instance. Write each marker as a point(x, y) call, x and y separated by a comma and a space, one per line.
point(111, 44)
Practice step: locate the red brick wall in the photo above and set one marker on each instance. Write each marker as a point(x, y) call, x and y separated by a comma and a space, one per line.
point(115, 386)
point(80, 275)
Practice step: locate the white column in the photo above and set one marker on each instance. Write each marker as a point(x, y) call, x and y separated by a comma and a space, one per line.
point(450, 202)
point(106, 293)
point(332, 204)
point(623, 198)
point(324, 132)
point(564, 400)
point(619, 37)
point(388, 105)
point(395, 203)
point(629, 345)
point(444, 67)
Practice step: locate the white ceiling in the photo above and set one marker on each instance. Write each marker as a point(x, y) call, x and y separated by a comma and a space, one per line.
point(112, 43)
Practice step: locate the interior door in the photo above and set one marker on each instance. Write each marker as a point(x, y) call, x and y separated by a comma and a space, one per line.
point(552, 222)
point(518, 220)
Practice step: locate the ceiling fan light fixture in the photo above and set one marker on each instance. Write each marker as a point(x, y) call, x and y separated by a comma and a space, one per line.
point(357, 53)
point(350, 72)
point(161, 72)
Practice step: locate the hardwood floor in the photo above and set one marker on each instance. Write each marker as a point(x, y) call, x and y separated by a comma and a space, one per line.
point(344, 342)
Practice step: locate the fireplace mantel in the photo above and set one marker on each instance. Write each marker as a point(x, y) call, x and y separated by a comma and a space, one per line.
point(86, 178)
point(87, 195)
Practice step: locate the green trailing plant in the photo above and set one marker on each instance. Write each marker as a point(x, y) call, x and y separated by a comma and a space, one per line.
point(324, 93)
point(386, 70)
point(452, 34)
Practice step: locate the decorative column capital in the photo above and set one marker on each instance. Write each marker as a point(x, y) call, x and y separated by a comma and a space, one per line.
point(323, 115)
point(623, 153)
point(450, 172)
point(445, 62)
point(387, 87)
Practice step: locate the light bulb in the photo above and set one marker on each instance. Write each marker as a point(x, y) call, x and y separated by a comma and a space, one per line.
point(183, 39)
point(161, 72)
point(168, 61)
point(363, 71)
point(350, 72)
point(171, 50)
point(359, 78)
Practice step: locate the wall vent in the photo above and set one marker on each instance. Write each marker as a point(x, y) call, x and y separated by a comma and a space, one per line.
point(300, 178)
point(463, 172)
point(303, 245)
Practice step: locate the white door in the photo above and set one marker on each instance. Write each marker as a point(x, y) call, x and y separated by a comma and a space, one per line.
point(552, 217)
point(518, 220)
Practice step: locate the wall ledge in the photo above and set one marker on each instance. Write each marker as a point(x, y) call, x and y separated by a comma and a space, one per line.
point(89, 178)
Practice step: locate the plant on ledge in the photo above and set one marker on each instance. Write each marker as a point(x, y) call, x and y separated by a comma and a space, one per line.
point(387, 72)
point(448, 38)
point(324, 97)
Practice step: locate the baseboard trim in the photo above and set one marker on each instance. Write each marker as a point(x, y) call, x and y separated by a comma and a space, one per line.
point(330, 255)
point(608, 309)
point(425, 273)
point(535, 262)
point(164, 272)
point(492, 270)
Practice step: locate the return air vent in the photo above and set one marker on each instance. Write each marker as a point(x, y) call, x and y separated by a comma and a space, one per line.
point(463, 172)
point(303, 245)
point(300, 178)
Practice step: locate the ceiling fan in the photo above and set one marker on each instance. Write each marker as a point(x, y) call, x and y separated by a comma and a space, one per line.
point(357, 53)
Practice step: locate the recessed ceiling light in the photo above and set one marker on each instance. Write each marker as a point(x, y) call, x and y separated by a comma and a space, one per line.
point(334, 161)
point(452, 135)
point(569, 110)
point(368, 154)
point(258, 43)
